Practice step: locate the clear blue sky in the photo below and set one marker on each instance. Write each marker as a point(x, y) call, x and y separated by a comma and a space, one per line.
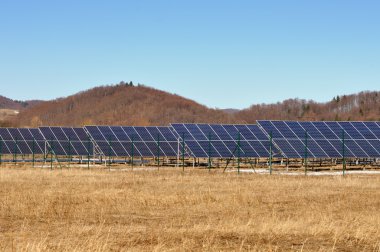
point(220, 53)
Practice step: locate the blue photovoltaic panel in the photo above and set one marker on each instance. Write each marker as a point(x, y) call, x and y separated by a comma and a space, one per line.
point(374, 128)
point(325, 139)
point(95, 133)
point(67, 141)
point(235, 130)
point(79, 140)
point(364, 130)
point(102, 140)
point(223, 140)
point(163, 141)
point(222, 133)
point(21, 141)
point(51, 140)
point(168, 134)
point(8, 145)
point(20, 145)
point(119, 133)
point(33, 139)
point(125, 141)
point(197, 150)
point(144, 134)
point(201, 132)
point(326, 132)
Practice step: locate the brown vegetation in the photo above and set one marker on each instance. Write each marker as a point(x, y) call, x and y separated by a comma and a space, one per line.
point(119, 105)
point(6, 103)
point(7, 114)
point(87, 210)
point(125, 104)
point(364, 106)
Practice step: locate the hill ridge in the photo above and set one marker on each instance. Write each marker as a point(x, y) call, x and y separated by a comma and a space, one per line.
point(119, 104)
point(125, 104)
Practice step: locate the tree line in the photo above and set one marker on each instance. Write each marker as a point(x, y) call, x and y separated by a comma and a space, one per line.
point(138, 105)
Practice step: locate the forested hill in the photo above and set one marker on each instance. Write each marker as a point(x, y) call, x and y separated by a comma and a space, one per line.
point(121, 104)
point(354, 107)
point(125, 104)
point(6, 103)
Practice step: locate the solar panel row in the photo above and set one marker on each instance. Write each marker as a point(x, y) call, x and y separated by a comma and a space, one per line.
point(21, 141)
point(291, 139)
point(68, 141)
point(134, 141)
point(325, 139)
point(223, 141)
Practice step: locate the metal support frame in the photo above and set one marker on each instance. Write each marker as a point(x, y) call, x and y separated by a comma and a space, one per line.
point(158, 151)
point(344, 152)
point(183, 151)
point(1, 151)
point(15, 151)
point(51, 154)
point(178, 150)
point(33, 151)
point(270, 152)
point(88, 152)
point(238, 149)
point(45, 151)
point(132, 151)
point(306, 152)
point(69, 151)
point(109, 153)
point(209, 151)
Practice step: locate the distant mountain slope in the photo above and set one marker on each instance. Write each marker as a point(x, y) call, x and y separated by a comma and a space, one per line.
point(9, 109)
point(119, 105)
point(6, 103)
point(124, 104)
point(230, 111)
point(359, 107)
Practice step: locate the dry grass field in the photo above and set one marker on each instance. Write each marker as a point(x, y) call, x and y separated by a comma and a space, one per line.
point(167, 210)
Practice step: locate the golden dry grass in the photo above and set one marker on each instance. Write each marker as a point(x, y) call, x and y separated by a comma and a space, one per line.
point(81, 210)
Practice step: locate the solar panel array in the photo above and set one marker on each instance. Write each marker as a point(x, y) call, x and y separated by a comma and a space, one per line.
point(67, 141)
point(325, 139)
point(130, 141)
point(223, 141)
point(21, 141)
point(291, 139)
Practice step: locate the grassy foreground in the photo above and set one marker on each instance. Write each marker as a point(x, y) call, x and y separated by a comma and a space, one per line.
point(81, 210)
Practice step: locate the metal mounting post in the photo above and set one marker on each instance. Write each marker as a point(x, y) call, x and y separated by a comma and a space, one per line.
point(132, 150)
point(69, 151)
point(88, 152)
point(158, 151)
point(33, 150)
point(51, 154)
point(183, 151)
point(15, 151)
point(209, 151)
point(1, 151)
point(306, 152)
point(109, 153)
point(238, 146)
point(344, 153)
point(270, 153)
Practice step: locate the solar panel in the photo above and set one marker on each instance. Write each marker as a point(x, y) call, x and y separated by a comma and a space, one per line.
point(324, 139)
point(129, 141)
point(21, 141)
point(223, 140)
point(67, 141)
